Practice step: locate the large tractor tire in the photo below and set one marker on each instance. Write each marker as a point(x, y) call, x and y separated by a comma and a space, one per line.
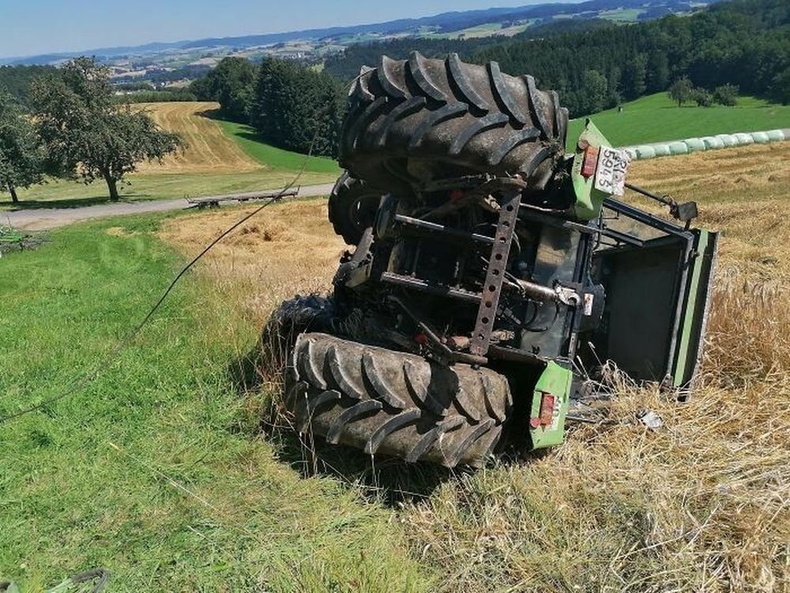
point(352, 207)
point(416, 120)
point(394, 403)
point(293, 317)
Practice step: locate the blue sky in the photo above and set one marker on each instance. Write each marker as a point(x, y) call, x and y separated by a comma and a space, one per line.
point(42, 26)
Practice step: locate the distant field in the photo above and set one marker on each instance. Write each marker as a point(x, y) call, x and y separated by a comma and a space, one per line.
point(656, 118)
point(215, 146)
point(621, 15)
point(220, 157)
point(208, 148)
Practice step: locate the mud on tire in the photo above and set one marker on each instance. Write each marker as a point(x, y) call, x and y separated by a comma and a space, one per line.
point(418, 119)
point(387, 402)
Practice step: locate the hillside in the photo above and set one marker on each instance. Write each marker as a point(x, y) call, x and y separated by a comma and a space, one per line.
point(656, 118)
point(216, 146)
point(175, 472)
point(699, 505)
point(207, 149)
point(314, 43)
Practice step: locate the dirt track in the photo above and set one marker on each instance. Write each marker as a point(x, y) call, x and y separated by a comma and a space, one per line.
point(50, 218)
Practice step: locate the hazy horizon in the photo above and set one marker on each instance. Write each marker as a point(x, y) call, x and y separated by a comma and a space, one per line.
point(79, 26)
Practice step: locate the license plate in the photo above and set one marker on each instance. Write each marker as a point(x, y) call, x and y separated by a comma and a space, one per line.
point(610, 171)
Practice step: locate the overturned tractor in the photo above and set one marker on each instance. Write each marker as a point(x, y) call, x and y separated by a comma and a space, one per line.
point(491, 272)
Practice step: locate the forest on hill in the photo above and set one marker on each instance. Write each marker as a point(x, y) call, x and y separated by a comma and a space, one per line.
point(745, 43)
point(742, 44)
point(739, 46)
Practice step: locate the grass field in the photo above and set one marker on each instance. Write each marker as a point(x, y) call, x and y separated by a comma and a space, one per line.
point(656, 118)
point(219, 158)
point(162, 472)
point(207, 148)
point(246, 137)
point(63, 194)
point(157, 471)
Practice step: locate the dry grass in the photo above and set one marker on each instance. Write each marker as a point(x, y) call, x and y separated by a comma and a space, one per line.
point(208, 149)
point(699, 505)
point(288, 248)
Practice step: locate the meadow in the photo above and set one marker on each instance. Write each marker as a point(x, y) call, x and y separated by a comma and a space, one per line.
point(176, 470)
point(657, 118)
point(218, 158)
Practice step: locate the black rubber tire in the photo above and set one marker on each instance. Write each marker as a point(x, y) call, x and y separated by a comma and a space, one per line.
point(413, 120)
point(291, 318)
point(352, 207)
point(393, 403)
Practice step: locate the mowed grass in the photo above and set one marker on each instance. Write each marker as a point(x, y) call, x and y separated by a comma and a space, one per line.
point(218, 158)
point(157, 470)
point(656, 118)
point(247, 139)
point(207, 147)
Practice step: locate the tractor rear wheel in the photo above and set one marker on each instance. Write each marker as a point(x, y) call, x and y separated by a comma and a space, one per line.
point(394, 403)
point(416, 120)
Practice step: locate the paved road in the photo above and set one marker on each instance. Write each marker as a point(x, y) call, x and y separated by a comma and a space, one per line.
point(49, 218)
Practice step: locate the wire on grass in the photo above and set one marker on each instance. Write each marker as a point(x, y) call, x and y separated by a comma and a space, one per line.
point(90, 376)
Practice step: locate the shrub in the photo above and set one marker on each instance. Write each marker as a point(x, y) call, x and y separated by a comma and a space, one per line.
point(726, 94)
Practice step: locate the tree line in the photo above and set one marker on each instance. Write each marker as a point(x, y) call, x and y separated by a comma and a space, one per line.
point(595, 65)
point(707, 57)
point(744, 43)
point(290, 105)
point(72, 126)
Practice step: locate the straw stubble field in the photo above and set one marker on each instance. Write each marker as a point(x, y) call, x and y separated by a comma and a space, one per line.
point(700, 505)
point(207, 148)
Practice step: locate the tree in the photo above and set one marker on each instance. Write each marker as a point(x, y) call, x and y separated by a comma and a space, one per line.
point(780, 87)
point(231, 83)
point(593, 94)
point(16, 81)
point(297, 108)
point(21, 157)
point(702, 97)
point(657, 72)
point(681, 90)
point(635, 76)
point(87, 134)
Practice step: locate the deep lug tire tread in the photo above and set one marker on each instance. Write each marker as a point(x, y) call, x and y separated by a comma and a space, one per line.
point(447, 415)
point(448, 116)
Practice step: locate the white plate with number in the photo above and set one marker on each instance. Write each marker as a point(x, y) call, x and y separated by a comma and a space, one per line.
point(610, 171)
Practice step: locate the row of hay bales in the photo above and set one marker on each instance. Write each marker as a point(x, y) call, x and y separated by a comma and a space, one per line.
point(658, 149)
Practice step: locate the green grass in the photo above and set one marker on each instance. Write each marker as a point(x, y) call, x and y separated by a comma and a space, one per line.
point(155, 471)
point(275, 157)
point(621, 15)
point(656, 118)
